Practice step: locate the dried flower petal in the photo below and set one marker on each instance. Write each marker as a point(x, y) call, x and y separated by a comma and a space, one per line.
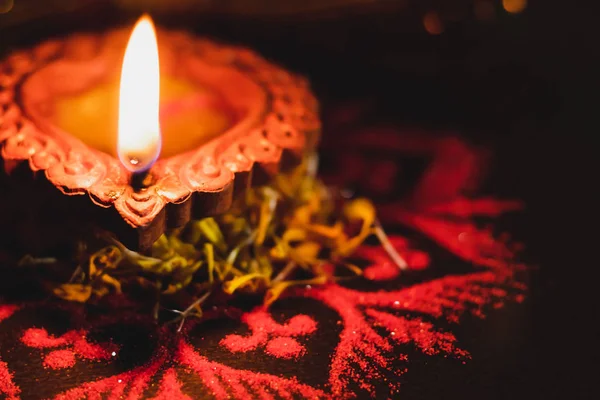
point(73, 292)
point(361, 210)
point(231, 286)
point(275, 291)
point(258, 245)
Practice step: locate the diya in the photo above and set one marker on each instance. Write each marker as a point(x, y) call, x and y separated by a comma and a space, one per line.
point(196, 169)
point(229, 119)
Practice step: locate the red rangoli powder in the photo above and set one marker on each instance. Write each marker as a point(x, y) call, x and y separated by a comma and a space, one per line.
point(376, 326)
point(6, 310)
point(285, 347)
point(383, 272)
point(92, 351)
point(39, 339)
point(382, 268)
point(418, 260)
point(133, 382)
point(226, 382)
point(264, 327)
point(359, 345)
point(465, 208)
point(7, 386)
point(76, 343)
point(362, 355)
point(372, 335)
point(419, 332)
point(58, 359)
point(460, 235)
point(170, 388)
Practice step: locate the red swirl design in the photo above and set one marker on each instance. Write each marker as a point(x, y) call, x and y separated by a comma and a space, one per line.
point(383, 324)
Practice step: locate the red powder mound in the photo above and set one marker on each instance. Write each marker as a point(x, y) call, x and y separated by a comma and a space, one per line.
point(39, 338)
point(58, 359)
point(362, 355)
point(457, 233)
point(264, 327)
point(242, 344)
point(382, 268)
point(422, 334)
point(7, 386)
point(226, 382)
point(418, 260)
point(76, 345)
point(448, 297)
point(462, 207)
point(6, 310)
point(133, 382)
point(91, 351)
point(382, 272)
point(284, 347)
point(456, 167)
point(170, 388)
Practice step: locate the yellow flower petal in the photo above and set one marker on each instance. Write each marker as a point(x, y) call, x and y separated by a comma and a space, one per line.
point(275, 291)
point(74, 292)
point(231, 286)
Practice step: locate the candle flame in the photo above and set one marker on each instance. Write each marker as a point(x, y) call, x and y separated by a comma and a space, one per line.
point(139, 140)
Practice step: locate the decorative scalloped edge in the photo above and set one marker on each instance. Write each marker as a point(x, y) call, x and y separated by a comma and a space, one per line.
point(290, 124)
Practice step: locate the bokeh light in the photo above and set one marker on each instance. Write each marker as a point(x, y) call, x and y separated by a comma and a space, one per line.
point(6, 6)
point(514, 6)
point(432, 23)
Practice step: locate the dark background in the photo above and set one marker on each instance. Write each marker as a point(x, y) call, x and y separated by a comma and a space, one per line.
point(526, 84)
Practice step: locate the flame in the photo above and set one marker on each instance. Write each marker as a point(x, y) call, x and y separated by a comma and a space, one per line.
point(139, 140)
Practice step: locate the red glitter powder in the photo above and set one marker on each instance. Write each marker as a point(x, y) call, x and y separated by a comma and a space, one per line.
point(59, 359)
point(372, 335)
point(362, 355)
point(456, 167)
point(170, 388)
point(382, 268)
point(382, 272)
point(6, 310)
point(422, 334)
point(448, 297)
point(76, 340)
point(39, 338)
point(377, 327)
point(462, 238)
point(7, 386)
point(464, 208)
point(418, 260)
point(133, 382)
point(92, 351)
point(263, 327)
point(285, 347)
point(226, 382)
